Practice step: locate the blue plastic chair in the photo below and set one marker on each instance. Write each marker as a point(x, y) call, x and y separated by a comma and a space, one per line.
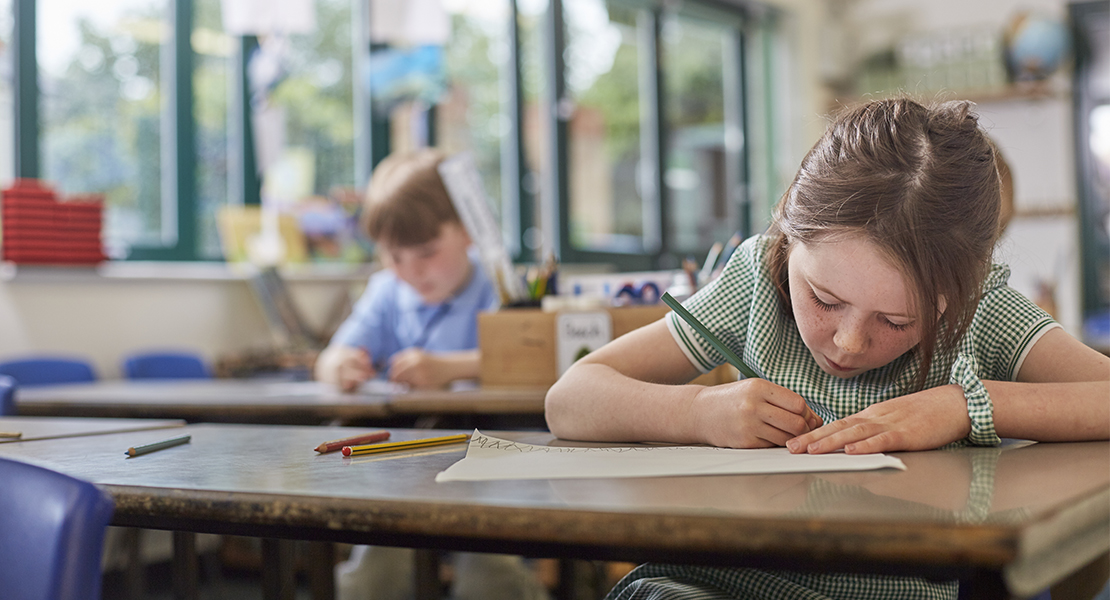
point(7, 396)
point(165, 365)
point(48, 370)
point(51, 534)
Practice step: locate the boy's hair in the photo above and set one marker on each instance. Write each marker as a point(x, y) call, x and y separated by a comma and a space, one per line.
point(406, 203)
point(921, 184)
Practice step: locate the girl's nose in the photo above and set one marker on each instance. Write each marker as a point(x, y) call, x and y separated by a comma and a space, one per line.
point(851, 336)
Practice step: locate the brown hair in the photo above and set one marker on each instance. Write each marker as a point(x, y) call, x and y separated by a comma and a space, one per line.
point(919, 182)
point(1006, 179)
point(406, 203)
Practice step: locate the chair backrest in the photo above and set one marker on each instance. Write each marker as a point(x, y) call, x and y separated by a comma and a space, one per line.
point(48, 370)
point(165, 365)
point(7, 396)
point(51, 534)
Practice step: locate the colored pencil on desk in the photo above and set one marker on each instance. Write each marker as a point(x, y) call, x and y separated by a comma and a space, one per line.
point(354, 440)
point(405, 445)
point(11, 434)
point(148, 448)
point(730, 356)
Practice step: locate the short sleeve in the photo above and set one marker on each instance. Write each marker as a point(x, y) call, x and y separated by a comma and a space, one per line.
point(1005, 327)
point(371, 322)
point(723, 306)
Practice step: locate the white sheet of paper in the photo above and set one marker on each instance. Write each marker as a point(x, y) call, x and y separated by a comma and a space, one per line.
point(489, 458)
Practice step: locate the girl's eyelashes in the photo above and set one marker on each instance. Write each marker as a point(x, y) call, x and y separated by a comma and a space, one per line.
point(831, 306)
point(897, 326)
point(821, 304)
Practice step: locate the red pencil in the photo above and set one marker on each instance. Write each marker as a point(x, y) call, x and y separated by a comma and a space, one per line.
point(366, 438)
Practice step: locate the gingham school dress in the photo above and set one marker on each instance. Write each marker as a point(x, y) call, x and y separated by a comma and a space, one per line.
point(743, 309)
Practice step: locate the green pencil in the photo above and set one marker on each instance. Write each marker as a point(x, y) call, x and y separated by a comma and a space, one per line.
point(730, 356)
point(147, 449)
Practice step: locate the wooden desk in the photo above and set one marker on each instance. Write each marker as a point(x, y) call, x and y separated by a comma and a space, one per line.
point(232, 400)
point(249, 401)
point(478, 401)
point(1016, 518)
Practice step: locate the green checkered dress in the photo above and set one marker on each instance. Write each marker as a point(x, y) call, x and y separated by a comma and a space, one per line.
point(742, 308)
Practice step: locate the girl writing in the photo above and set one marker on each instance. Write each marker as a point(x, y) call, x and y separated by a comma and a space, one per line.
point(876, 321)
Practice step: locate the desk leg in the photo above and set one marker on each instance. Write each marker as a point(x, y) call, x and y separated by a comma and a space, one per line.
point(185, 571)
point(279, 577)
point(321, 570)
point(426, 572)
point(134, 570)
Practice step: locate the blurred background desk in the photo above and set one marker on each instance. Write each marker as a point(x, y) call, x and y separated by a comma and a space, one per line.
point(1005, 520)
point(222, 400)
point(282, 402)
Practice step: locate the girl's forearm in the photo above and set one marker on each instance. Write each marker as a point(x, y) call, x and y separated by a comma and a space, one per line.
point(595, 402)
point(1051, 412)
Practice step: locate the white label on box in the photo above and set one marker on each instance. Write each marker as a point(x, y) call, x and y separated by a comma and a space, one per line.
point(579, 333)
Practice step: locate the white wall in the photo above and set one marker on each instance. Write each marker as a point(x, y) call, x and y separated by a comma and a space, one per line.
point(105, 318)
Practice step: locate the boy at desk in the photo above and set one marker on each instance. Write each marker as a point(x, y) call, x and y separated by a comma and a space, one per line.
point(417, 322)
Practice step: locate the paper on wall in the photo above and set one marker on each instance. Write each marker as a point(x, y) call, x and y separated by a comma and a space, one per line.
point(490, 458)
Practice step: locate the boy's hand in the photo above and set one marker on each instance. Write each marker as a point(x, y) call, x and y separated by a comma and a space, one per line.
point(752, 413)
point(353, 368)
point(418, 369)
point(921, 421)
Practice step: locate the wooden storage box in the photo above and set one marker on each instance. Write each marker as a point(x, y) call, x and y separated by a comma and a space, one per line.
point(518, 345)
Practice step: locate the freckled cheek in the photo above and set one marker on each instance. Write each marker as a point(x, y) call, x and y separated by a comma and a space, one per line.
point(816, 328)
point(893, 346)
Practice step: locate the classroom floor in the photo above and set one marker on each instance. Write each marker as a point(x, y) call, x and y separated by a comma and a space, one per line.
point(232, 571)
point(225, 585)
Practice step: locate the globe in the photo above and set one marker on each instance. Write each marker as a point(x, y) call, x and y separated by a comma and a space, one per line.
point(1035, 46)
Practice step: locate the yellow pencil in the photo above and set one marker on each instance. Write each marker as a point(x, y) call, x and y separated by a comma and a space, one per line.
point(11, 434)
point(405, 445)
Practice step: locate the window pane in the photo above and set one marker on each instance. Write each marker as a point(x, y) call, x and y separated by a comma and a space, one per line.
point(317, 97)
point(213, 51)
point(7, 99)
point(695, 172)
point(99, 68)
point(606, 209)
point(470, 116)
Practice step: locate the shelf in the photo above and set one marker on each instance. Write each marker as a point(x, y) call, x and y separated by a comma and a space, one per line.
point(1050, 89)
point(179, 271)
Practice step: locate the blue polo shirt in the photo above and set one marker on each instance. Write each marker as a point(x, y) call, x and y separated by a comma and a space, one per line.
point(391, 316)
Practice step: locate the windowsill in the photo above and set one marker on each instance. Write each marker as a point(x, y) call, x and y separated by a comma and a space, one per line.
point(179, 271)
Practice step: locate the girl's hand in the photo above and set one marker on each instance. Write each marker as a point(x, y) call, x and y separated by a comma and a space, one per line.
point(418, 369)
point(353, 368)
point(752, 413)
point(921, 421)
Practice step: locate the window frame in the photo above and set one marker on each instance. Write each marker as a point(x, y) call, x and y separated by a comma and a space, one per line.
point(372, 141)
point(658, 250)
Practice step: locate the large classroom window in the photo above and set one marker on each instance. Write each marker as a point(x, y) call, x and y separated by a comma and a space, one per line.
point(605, 130)
point(101, 125)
